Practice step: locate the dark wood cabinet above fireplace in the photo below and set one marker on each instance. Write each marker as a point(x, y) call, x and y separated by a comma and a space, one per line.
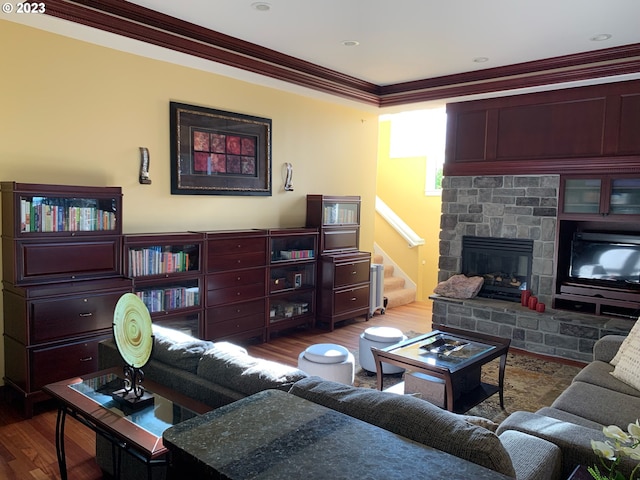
point(585, 129)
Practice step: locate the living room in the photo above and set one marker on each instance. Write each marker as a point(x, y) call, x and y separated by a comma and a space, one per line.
point(72, 107)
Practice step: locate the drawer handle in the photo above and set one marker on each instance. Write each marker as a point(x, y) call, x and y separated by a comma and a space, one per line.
point(86, 359)
point(353, 299)
point(88, 314)
point(354, 272)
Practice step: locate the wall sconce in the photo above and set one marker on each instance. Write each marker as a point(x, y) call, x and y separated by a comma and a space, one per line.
point(288, 176)
point(144, 166)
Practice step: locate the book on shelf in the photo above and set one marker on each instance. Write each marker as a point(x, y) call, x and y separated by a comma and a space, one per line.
point(62, 215)
point(157, 260)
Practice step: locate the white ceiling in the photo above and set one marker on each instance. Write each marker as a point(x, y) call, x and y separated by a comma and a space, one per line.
point(404, 40)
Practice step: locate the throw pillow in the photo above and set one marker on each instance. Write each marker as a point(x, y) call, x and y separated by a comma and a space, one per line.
point(628, 365)
point(634, 336)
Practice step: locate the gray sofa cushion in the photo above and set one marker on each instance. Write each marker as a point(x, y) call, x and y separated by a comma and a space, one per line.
point(412, 418)
point(599, 404)
point(533, 458)
point(178, 349)
point(599, 373)
point(244, 373)
point(569, 418)
point(606, 348)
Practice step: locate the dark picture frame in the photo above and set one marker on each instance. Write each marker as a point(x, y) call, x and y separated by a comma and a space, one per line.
point(214, 152)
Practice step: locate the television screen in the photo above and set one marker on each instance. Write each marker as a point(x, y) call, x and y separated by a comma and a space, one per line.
point(613, 258)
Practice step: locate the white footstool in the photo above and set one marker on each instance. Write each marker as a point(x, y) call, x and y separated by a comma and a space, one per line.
point(328, 361)
point(379, 337)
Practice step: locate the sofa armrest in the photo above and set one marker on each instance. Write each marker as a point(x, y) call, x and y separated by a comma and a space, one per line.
point(533, 458)
point(607, 347)
point(573, 440)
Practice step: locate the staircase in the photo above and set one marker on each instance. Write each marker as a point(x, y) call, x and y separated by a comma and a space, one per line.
point(394, 286)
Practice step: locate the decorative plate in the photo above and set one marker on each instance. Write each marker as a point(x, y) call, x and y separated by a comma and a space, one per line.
point(132, 330)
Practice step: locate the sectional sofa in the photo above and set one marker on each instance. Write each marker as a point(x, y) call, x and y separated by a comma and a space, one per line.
point(594, 399)
point(218, 373)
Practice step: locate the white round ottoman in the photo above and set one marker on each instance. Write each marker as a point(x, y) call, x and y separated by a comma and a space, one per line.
point(379, 337)
point(328, 361)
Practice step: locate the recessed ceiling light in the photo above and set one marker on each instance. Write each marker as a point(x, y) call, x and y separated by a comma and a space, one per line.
point(481, 59)
point(261, 6)
point(601, 37)
point(350, 43)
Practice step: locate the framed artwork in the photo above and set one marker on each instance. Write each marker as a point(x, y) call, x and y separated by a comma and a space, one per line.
point(219, 153)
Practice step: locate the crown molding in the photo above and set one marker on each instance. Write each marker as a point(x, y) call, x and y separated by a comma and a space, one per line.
point(146, 25)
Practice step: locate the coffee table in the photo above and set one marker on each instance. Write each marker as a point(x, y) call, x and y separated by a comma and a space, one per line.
point(453, 357)
point(88, 399)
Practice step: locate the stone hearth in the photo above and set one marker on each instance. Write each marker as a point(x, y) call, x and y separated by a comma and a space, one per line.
point(557, 333)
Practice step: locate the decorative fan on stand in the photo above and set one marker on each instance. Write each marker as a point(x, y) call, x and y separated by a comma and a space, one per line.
point(134, 338)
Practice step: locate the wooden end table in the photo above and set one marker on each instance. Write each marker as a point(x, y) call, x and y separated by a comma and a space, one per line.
point(88, 400)
point(449, 355)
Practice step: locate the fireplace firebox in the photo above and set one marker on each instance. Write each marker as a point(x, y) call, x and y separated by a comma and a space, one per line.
point(504, 263)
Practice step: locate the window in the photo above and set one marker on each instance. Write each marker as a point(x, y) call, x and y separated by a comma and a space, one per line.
point(420, 133)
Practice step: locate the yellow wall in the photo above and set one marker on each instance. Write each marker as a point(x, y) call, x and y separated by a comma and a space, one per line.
point(401, 185)
point(75, 113)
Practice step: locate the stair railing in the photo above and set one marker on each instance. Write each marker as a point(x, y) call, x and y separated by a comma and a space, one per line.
point(392, 218)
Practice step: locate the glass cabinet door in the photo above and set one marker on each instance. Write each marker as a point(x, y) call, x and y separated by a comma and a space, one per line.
point(67, 214)
point(582, 195)
point(625, 196)
point(340, 213)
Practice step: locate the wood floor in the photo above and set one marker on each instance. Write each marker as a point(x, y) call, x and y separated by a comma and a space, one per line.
point(27, 447)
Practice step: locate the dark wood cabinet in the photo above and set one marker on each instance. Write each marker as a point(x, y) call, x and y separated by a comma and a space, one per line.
point(293, 254)
point(561, 131)
point(235, 285)
point(345, 287)
point(167, 272)
point(611, 198)
point(338, 220)
point(344, 272)
point(598, 242)
point(62, 277)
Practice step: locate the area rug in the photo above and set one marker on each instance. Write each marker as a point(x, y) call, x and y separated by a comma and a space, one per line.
point(530, 383)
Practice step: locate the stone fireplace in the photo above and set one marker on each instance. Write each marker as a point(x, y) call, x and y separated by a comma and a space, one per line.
point(513, 207)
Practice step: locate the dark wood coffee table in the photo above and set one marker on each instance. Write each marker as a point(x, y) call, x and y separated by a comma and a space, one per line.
point(450, 356)
point(88, 399)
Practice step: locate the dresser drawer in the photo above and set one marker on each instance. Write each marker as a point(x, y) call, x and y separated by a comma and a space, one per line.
point(226, 254)
point(228, 312)
point(342, 239)
point(236, 278)
point(351, 299)
point(232, 262)
point(351, 273)
point(235, 326)
point(73, 260)
point(235, 294)
point(53, 364)
point(59, 318)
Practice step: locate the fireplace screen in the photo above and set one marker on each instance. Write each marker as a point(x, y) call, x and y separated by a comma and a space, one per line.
point(504, 263)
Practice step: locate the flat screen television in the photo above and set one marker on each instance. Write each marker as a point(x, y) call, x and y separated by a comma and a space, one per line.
point(607, 259)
